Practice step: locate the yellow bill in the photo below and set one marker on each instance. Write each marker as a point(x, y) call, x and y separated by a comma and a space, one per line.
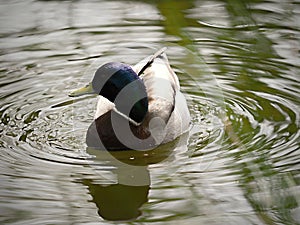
point(88, 89)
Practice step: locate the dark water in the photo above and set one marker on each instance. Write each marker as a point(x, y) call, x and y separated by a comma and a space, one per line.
point(239, 66)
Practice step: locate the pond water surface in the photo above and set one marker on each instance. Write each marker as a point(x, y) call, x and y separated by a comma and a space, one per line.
point(238, 63)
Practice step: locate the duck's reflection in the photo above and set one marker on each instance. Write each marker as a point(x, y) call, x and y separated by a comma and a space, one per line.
point(121, 181)
point(121, 201)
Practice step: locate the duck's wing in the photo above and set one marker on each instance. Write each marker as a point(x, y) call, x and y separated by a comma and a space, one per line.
point(161, 83)
point(149, 60)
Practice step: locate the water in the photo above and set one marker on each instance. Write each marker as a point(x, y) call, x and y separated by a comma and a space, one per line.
point(238, 64)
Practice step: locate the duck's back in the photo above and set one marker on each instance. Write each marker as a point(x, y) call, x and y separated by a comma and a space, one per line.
point(168, 115)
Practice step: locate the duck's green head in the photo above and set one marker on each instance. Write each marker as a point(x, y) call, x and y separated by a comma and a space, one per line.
point(120, 84)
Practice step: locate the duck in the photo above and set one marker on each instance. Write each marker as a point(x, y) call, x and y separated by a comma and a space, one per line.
point(139, 108)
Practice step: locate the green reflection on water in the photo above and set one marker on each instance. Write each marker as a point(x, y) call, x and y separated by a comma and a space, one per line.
point(268, 190)
point(271, 193)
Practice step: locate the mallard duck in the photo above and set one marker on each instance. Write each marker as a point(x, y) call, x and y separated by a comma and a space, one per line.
point(139, 107)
